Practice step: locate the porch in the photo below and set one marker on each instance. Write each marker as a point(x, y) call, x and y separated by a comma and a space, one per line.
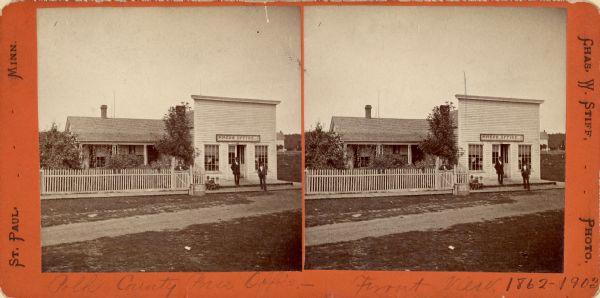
point(360, 155)
point(96, 155)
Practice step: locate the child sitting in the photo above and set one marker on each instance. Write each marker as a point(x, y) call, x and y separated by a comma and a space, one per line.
point(474, 183)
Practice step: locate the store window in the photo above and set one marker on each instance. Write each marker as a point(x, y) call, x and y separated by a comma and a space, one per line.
point(524, 155)
point(231, 154)
point(261, 155)
point(211, 157)
point(475, 157)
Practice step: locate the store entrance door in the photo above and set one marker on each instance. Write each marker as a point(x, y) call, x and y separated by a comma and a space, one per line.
point(505, 153)
point(240, 152)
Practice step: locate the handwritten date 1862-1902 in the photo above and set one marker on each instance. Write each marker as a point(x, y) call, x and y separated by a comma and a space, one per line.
point(546, 283)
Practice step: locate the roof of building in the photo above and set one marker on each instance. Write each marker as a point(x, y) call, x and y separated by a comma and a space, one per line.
point(494, 98)
point(387, 130)
point(361, 129)
point(119, 130)
point(239, 100)
point(543, 135)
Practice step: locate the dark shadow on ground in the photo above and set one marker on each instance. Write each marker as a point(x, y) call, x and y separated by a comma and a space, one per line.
point(530, 243)
point(262, 243)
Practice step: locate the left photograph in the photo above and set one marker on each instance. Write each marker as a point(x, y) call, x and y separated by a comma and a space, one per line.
point(169, 139)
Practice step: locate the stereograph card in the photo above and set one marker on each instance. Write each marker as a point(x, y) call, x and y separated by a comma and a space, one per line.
point(299, 148)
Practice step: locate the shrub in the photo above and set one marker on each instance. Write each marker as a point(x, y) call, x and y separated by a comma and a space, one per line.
point(124, 161)
point(386, 161)
point(58, 150)
point(426, 163)
point(324, 149)
point(162, 163)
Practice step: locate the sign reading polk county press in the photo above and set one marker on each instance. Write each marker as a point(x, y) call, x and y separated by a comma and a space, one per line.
point(501, 137)
point(238, 138)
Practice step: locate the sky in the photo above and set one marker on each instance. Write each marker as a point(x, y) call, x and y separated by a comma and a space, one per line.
point(149, 59)
point(405, 60)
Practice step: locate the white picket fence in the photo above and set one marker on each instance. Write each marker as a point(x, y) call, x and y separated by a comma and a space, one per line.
point(324, 181)
point(72, 181)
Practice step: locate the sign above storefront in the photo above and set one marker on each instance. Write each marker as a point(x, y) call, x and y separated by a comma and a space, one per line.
point(238, 138)
point(489, 137)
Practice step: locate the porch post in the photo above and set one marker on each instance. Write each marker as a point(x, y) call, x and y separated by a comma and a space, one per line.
point(145, 154)
point(345, 154)
point(80, 148)
point(409, 154)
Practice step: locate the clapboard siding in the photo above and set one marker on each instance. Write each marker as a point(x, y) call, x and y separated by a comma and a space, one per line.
point(477, 117)
point(214, 117)
point(217, 117)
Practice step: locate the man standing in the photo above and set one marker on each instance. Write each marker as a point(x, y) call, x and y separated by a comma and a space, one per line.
point(262, 175)
point(235, 168)
point(525, 172)
point(499, 170)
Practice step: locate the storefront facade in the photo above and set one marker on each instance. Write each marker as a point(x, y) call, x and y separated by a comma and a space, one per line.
point(229, 128)
point(492, 127)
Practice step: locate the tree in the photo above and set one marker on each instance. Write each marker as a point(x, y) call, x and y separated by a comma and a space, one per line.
point(324, 149)
point(177, 141)
point(441, 140)
point(58, 150)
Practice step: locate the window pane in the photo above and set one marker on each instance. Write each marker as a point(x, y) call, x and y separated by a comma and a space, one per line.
point(211, 157)
point(475, 157)
point(524, 155)
point(261, 155)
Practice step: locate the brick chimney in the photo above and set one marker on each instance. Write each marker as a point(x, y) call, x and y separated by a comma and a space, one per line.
point(368, 111)
point(103, 109)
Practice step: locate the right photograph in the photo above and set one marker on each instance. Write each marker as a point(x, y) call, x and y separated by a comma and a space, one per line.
point(434, 138)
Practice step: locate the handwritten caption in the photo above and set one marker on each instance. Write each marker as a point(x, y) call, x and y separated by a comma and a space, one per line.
point(135, 283)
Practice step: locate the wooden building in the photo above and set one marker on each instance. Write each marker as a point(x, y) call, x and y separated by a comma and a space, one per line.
point(493, 127)
point(100, 137)
point(228, 128)
point(486, 128)
point(366, 137)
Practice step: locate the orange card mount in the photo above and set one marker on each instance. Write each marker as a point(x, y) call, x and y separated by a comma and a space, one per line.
point(21, 267)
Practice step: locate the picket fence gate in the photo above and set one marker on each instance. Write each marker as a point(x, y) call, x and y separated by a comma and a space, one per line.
point(328, 181)
point(72, 181)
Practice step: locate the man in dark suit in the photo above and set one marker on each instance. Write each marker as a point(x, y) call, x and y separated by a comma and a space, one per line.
point(500, 170)
point(525, 172)
point(235, 167)
point(262, 175)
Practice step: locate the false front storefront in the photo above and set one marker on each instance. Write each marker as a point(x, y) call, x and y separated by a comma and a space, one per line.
point(230, 128)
